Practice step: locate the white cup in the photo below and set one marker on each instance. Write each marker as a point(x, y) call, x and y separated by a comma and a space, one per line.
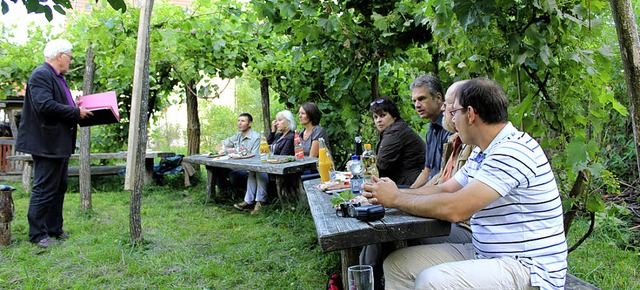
point(360, 277)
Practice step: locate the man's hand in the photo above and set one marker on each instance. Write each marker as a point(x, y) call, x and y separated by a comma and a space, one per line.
point(382, 191)
point(84, 113)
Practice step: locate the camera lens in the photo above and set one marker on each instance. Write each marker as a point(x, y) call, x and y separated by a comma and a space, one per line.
point(351, 210)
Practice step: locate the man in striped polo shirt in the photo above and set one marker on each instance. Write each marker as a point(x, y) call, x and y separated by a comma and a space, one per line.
point(508, 190)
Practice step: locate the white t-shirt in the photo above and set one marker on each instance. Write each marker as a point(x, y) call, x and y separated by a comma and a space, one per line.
point(526, 223)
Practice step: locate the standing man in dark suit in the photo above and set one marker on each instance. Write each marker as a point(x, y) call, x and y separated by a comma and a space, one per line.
point(47, 131)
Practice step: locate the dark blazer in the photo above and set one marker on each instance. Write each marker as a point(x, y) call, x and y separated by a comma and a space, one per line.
point(283, 145)
point(48, 124)
point(400, 153)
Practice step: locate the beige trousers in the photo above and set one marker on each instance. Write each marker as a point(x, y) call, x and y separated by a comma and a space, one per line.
point(452, 266)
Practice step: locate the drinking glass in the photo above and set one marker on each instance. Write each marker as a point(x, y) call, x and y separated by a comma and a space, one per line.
point(360, 277)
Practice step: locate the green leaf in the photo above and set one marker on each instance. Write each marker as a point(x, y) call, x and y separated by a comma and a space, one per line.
point(576, 152)
point(118, 5)
point(545, 54)
point(341, 197)
point(379, 22)
point(594, 203)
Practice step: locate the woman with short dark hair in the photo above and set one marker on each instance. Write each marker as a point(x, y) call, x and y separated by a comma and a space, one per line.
point(400, 150)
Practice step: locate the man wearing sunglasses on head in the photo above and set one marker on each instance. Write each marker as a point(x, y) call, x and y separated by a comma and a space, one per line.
point(508, 190)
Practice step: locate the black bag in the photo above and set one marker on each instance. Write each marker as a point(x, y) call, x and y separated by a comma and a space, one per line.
point(169, 165)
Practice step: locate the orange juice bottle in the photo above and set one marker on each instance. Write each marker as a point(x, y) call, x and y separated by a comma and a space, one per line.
point(325, 164)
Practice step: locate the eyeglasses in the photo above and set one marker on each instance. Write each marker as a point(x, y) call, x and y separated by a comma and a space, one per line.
point(380, 101)
point(453, 111)
point(68, 55)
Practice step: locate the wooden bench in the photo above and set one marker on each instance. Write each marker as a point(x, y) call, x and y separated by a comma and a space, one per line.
point(575, 283)
point(98, 170)
point(27, 171)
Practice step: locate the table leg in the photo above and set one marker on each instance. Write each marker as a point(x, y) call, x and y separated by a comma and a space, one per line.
point(148, 171)
point(27, 172)
point(211, 184)
point(348, 257)
point(290, 188)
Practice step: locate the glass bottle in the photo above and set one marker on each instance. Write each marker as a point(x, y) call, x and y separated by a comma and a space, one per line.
point(297, 147)
point(369, 160)
point(325, 162)
point(358, 145)
point(264, 149)
point(357, 169)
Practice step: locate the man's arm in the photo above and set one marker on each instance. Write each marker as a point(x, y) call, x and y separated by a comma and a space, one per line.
point(226, 143)
point(422, 178)
point(448, 201)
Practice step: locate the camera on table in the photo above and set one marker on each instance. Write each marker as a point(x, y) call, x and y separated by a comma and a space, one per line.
point(347, 209)
point(363, 213)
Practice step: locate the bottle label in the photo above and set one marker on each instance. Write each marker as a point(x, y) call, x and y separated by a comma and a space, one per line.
point(299, 154)
point(356, 185)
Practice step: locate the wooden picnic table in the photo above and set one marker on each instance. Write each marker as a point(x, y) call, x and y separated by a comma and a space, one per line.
point(150, 156)
point(348, 235)
point(286, 175)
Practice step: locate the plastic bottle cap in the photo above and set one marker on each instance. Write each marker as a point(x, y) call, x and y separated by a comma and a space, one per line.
point(355, 157)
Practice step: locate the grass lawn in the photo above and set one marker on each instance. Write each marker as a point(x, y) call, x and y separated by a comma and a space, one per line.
point(193, 245)
point(188, 245)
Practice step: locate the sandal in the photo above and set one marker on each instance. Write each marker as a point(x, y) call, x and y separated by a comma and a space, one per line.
point(256, 209)
point(242, 206)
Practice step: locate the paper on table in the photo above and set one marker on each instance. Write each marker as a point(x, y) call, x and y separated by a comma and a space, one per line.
point(104, 107)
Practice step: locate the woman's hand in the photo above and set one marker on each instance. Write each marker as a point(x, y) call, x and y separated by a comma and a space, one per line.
point(274, 126)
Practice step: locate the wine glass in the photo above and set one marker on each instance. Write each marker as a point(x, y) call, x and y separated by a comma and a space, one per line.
point(360, 277)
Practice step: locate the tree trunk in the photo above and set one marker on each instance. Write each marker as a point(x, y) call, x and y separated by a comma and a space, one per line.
point(375, 88)
point(6, 216)
point(264, 92)
point(138, 125)
point(85, 135)
point(577, 189)
point(627, 30)
point(193, 120)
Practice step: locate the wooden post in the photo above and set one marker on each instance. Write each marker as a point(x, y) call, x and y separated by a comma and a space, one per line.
point(6, 216)
point(134, 179)
point(85, 136)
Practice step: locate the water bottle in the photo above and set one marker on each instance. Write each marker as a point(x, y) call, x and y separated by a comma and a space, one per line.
point(357, 169)
point(369, 161)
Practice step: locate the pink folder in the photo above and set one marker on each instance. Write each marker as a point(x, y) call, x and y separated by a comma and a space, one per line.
point(104, 107)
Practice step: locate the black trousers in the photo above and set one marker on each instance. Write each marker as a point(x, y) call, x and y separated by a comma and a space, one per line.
point(47, 197)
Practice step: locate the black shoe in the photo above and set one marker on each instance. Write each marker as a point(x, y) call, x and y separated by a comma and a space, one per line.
point(63, 236)
point(44, 243)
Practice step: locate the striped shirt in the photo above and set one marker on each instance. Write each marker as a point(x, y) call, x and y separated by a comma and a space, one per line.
point(526, 223)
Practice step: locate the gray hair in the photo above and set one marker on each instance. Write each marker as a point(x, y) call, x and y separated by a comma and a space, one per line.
point(56, 46)
point(289, 117)
point(432, 83)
